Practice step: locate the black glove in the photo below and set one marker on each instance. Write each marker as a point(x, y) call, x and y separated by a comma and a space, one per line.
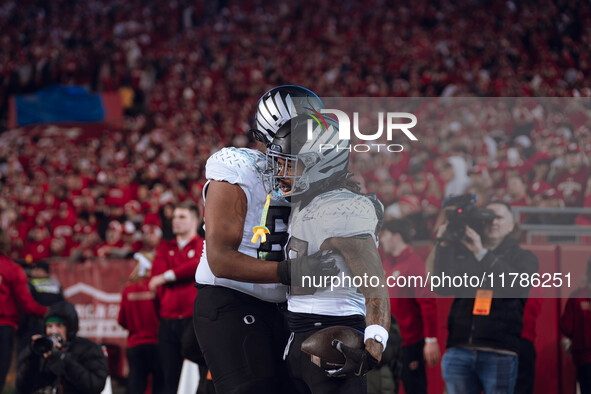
point(357, 361)
point(56, 362)
point(320, 264)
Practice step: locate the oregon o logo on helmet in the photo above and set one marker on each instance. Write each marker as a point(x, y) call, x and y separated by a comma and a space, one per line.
point(392, 120)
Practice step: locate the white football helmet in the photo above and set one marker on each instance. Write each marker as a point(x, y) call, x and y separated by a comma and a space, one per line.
point(306, 155)
point(279, 105)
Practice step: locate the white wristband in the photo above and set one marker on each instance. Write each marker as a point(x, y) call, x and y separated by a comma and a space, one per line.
point(377, 333)
point(169, 276)
point(430, 340)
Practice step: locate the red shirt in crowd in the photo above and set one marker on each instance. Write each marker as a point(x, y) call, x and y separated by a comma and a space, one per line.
point(572, 186)
point(15, 295)
point(575, 323)
point(413, 306)
point(531, 311)
point(137, 314)
point(175, 299)
point(38, 250)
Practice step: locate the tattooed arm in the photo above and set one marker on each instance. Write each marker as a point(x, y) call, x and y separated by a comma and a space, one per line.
point(362, 258)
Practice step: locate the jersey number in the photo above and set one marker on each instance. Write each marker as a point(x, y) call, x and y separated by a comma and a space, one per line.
point(277, 219)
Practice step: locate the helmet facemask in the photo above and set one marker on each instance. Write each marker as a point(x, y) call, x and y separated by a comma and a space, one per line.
point(297, 166)
point(287, 175)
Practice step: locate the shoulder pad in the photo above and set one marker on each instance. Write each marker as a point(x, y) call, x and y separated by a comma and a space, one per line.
point(235, 165)
point(341, 202)
point(379, 207)
point(238, 158)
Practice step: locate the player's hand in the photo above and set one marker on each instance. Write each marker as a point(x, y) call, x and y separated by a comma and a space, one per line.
point(357, 361)
point(431, 353)
point(321, 264)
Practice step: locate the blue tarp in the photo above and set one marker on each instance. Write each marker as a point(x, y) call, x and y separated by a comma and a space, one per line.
point(59, 104)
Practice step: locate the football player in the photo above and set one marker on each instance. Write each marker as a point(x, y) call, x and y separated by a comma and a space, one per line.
point(328, 212)
point(238, 314)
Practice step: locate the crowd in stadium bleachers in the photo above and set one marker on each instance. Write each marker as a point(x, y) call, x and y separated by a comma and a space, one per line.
point(189, 77)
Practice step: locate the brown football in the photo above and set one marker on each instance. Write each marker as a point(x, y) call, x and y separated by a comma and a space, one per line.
point(318, 345)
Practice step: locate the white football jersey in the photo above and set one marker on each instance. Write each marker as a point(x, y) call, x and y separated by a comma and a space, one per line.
point(243, 167)
point(337, 213)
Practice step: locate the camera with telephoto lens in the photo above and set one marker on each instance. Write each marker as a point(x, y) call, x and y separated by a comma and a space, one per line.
point(46, 344)
point(465, 213)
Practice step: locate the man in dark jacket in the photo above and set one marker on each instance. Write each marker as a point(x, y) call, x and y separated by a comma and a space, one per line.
point(72, 365)
point(486, 319)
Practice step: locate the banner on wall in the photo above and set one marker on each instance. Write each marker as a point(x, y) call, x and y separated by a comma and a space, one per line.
point(64, 103)
point(94, 287)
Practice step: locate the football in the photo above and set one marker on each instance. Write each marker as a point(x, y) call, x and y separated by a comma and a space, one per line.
point(318, 345)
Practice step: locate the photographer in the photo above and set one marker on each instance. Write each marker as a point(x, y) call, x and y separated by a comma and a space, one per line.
point(61, 360)
point(484, 325)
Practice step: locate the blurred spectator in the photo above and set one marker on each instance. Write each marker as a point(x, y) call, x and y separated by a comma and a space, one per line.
point(114, 245)
point(151, 236)
point(172, 278)
point(484, 331)
point(541, 168)
point(546, 196)
point(585, 220)
point(575, 325)
point(517, 194)
point(526, 370)
point(14, 296)
point(38, 244)
point(46, 291)
point(572, 182)
point(87, 248)
point(517, 191)
point(479, 174)
point(480, 191)
point(455, 175)
point(137, 314)
point(413, 308)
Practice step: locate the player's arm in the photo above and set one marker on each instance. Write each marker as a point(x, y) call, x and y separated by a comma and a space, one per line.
point(362, 258)
point(225, 213)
